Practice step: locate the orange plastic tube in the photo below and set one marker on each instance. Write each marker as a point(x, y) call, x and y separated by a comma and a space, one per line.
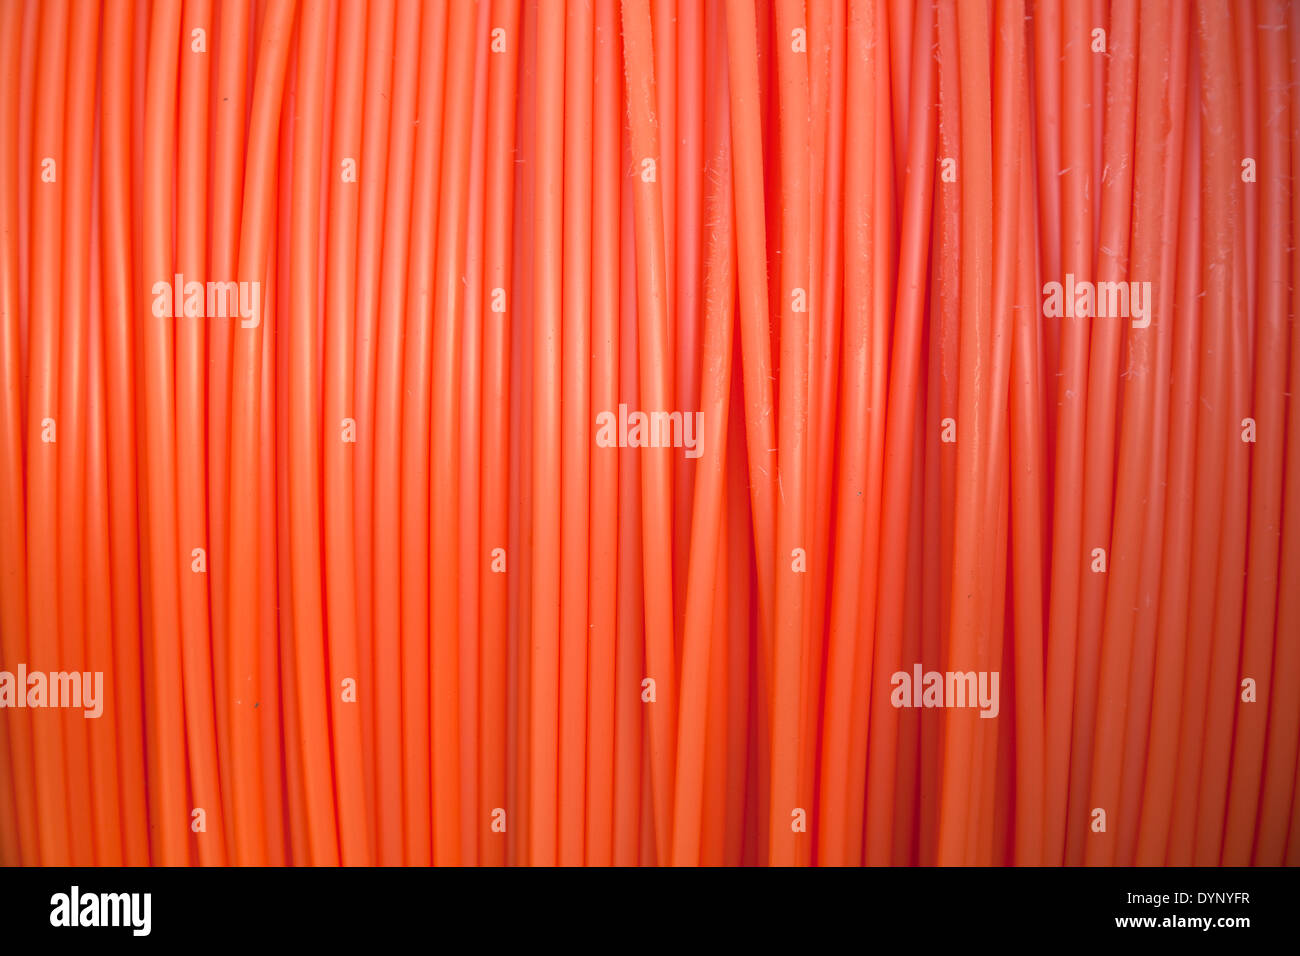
point(157, 379)
point(576, 411)
point(687, 260)
point(1099, 454)
point(103, 732)
point(746, 137)
point(969, 591)
point(602, 608)
point(304, 438)
point(370, 243)
point(792, 456)
point(1167, 696)
point(1131, 488)
point(229, 92)
point(899, 433)
point(1067, 562)
point(1214, 431)
point(245, 416)
point(470, 476)
point(629, 655)
point(652, 314)
point(13, 531)
point(368, 575)
point(76, 176)
point(447, 337)
point(401, 684)
point(1284, 708)
point(495, 449)
point(547, 267)
point(846, 611)
point(702, 635)
point(337, 405)
point(1259, 650)
point(119, 382)
point(1141, 684)
point(191, 463)
point(1027, 538)
point(415, 342)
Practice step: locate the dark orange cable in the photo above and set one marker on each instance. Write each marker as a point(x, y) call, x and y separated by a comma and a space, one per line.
point(139, 84)
point(254, 252)
point(1099, 453)
point(687, 251)
point(116, 120)
point(1068, 554)
point(816, 20)
point(828, 41)
point(304, 436)
point(1259, 651)
point(401, 719)
point(942, 405)
point(713, 828)
point(1284, 707)
point(103, 731)
point(469, 604)
point(13, 532)
point(1167, 696)
point(843, 638)
point(1224, 691)
point(970, 592)
point(1027, 491)
point(629, 652)
point(157, 374)
point(655, 390)
point(663, 37)
point(76, 176)
point(1131, 493)
point(1047, 68)
point(754, 315)
point(1141, 686)
point(576, 418)
point(898, 459)
point(372, 182)
point(603, 689)
point(282, 727)
point(338, 406)
point(741, 626)
point(724, 774)
point(547, 268)
point(414, 339)
point(495, 450)
point(752, 229)
point(519, 690)
point(881, 297)
point(229, 111)
point(1009, 169)
point(1246, 32)
point(42, 473)
point(901, 29)
point(191, 464)
point(792, 461)
point(700, 638)
point(1214, 431)
point(447, 336)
